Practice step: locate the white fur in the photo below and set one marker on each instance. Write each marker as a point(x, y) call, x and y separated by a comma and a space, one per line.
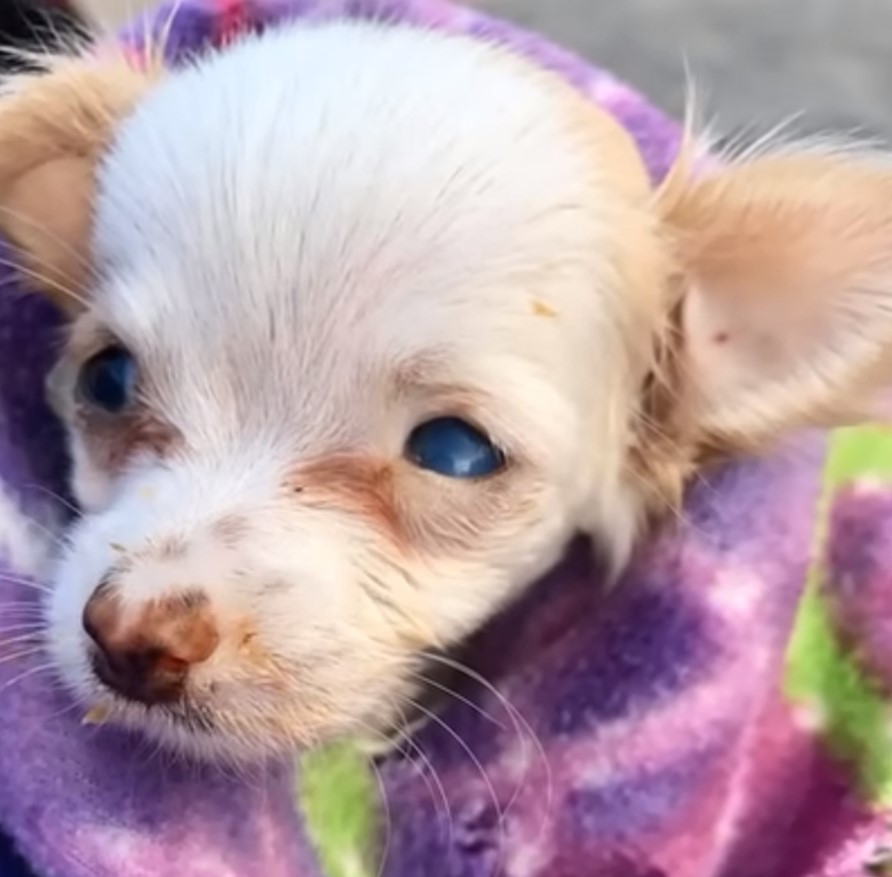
point(25, 545)
point(280, 229)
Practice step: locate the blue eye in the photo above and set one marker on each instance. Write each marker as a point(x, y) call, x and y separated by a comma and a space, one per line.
point(451, 447)
point(107, 379)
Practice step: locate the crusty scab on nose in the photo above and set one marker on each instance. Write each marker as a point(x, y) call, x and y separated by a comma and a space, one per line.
point(183, 622)
point(145, 652)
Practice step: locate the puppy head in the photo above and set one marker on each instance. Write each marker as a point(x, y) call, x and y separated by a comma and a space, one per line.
point(374, 321)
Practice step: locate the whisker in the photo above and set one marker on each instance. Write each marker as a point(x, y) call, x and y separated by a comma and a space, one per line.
point(163, 41)
point(21, 590)
point(425, 680)
point(228, 767)
point(25, 608)
point(145, 38)
point(477, 764)
point(21, 655)
point(382, 796)
point(245, 775)
point(46, 280)
point(25, 583)
point(151, 750)
point(58, 540)
point(40, 668)
point(51, 236)
point(388, 819)
point(430, 776)
point(522, 726)
point(74, 706)
point(57, 497)
point(35, 626)
point(19, 621)
point(32, 637)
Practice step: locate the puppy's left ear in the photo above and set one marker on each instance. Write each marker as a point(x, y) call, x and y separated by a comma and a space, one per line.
point(784, 281)
point(55, 126)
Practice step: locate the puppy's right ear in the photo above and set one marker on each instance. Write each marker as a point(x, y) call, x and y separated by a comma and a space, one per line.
point(784, 268)
point(55, 126)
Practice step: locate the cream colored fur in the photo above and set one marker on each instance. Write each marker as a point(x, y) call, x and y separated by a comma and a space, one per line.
point(321, 237)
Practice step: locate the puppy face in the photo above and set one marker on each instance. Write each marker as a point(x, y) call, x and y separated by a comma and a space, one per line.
point(374, 321)
point(350, 373)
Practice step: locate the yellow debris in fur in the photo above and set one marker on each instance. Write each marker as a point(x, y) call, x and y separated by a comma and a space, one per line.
point(97, 715)
point(541, 309)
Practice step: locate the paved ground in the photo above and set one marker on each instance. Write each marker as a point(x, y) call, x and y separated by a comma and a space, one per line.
point(760, 61)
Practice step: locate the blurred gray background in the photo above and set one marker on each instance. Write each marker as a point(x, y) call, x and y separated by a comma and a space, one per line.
point(757, 62)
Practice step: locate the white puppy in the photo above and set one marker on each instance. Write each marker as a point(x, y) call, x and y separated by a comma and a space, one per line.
point(367, 323)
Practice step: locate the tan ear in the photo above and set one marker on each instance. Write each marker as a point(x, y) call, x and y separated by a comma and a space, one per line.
point(784, 272)
point(54, 128)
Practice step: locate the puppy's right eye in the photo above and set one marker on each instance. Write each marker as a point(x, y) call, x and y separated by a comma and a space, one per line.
point(107, 380)
point(453, 448)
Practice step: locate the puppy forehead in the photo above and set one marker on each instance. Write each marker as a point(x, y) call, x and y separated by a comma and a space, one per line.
point(337, 168)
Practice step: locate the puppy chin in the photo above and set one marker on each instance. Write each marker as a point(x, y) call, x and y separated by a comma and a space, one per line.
point(202, 734)
point(190, 732)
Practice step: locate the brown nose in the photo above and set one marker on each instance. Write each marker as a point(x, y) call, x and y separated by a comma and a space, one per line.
point(145, 653)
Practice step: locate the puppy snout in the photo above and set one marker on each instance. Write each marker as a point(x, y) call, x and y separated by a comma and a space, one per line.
point(146, 652)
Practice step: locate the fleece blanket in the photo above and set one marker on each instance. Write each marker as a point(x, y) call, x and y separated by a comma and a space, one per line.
point(720, 713)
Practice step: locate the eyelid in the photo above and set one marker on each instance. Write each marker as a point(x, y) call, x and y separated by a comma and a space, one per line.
point(437, 412)
point(60, 385)
point(424, 387)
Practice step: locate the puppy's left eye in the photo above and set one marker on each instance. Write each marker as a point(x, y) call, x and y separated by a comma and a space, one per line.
point(107, 380)
point(451, 447)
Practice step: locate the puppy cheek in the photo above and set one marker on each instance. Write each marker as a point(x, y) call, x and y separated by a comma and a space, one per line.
point(77, 570)
point(91, 483)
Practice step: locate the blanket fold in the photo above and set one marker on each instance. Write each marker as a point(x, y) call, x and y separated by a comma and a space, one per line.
point(674, 725)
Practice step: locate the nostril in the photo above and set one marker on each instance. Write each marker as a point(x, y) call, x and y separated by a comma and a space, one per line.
point(148, 675)
point(170, 665)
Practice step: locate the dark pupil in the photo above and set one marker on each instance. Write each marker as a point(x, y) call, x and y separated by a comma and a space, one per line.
point(107, 379)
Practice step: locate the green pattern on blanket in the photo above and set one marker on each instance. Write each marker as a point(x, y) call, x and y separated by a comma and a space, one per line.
point(339, 801)
point(821, 674)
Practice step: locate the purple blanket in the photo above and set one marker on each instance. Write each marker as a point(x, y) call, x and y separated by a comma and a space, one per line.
point(641, 733)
